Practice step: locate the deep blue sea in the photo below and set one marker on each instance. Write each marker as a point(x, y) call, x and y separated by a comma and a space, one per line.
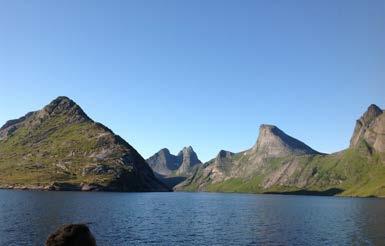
point(28, 217)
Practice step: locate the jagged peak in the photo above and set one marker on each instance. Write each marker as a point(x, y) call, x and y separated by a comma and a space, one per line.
point(370, 114)
point(366, 121)
point(272, 141)
point(186, 150)
point(374, 107)
point(60, 100)
point(60, 106)
point(65, 105)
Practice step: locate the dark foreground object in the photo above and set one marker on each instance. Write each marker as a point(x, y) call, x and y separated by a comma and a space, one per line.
point(71, 235)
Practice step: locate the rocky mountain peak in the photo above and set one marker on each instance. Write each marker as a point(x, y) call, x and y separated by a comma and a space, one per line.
point(371, 113)
point(165, 163)
point(188, 154)
point(60, 106)
point(274, 142)
point(189, 160)
point(370, 128)
point(64, 105)
point(186, 151)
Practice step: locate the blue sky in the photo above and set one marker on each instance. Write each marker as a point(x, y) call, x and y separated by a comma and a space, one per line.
point(201, 73)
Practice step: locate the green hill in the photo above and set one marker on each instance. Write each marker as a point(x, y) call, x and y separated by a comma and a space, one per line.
point(61, 148)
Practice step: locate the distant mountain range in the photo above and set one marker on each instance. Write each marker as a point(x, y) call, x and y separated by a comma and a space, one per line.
point(164, 163)
point(60, 148)
point(173, 169)
point(278, 163)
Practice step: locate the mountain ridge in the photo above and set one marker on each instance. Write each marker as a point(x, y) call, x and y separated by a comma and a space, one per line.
point(60, 148)
point(278, 163)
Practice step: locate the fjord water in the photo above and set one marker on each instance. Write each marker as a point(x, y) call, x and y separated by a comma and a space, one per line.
point(27, 218)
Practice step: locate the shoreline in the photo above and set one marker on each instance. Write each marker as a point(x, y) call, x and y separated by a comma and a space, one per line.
point(104, 189)
point(72, 187)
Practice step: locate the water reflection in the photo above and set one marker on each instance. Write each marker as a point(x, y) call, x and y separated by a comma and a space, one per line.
point(26, 218)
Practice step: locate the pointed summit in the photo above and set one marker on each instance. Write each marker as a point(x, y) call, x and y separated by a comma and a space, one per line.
point(61, 106)
point(163, 162)
point(371, 113)
point(189, 160)
point(370, 129)
point(275, 143)
point(186, 151)
point(64, 105)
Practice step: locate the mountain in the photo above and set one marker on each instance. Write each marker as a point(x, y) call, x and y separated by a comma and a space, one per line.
point(174, 169)
point(370, 130)
point(278, 163)
point(275, 143)
point(60, 148)
point(189, 159)
point(163, 162)
point(167, 164)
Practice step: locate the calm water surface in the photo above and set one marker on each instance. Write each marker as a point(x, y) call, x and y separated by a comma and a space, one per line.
point(27, 218)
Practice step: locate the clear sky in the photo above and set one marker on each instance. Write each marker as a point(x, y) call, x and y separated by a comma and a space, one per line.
point(204, 73)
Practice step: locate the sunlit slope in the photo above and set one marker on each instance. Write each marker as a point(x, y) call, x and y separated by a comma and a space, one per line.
point(60, 147)
point(278, 163)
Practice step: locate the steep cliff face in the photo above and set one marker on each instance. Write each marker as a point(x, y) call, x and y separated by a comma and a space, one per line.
point(370, 130)
point(60, 147)
point(189, 160)
point(163, 162)
point(280, 163)
point(274, 142)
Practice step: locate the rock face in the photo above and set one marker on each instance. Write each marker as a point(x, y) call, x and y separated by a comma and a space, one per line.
point(275, 143)
point(163, 162)
point(60, 147)
point(370, 130)
point(167, 164)
point(278, 163)
point(189, 160)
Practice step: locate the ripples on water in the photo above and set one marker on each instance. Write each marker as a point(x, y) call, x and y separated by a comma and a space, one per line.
point(28, 217)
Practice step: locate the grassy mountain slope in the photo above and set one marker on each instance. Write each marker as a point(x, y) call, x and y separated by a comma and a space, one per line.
point(347, 173)
point(274, 165)
point(60, 147)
